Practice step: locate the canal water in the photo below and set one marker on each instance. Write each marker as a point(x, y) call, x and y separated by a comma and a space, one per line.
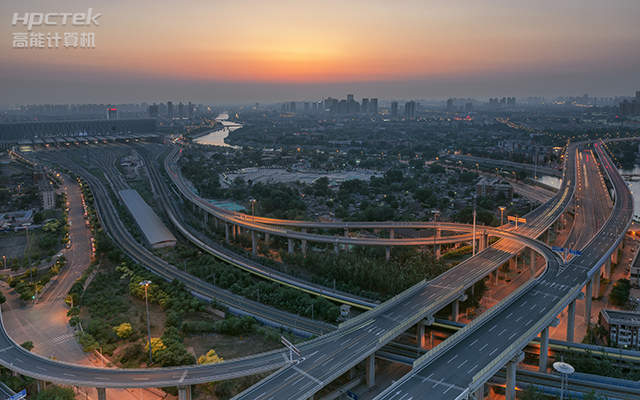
point(216, 138)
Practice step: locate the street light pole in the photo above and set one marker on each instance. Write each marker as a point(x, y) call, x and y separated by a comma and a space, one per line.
point(146, 300)
point(502, 208)
point(474, 225)
point(435, 231)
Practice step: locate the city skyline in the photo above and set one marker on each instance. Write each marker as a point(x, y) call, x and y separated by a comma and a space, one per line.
point(243, 53)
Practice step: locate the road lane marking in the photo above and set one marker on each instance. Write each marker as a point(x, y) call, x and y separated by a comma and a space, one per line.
point(17, 359)
point(427, 378)
point(475, 366)
point(345, 342)
point(40, 368)
point(509, 315)
point(327, 362)
point(309, 376)
point(184, 375)
point(511, 337)
point(503, 331)
point(437, 383)
point(519, 318)
point(474, 342)
point(140, 379)
point(463, 363)
point(482, 348)
point(493, 352)
point(454, 357)
point(407, 303)
point(353, 344)
point(64, 373)
point(494, 327)
point(102, 379)
point(522, 305)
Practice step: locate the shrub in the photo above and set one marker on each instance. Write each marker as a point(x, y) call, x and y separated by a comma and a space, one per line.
point(123, 330)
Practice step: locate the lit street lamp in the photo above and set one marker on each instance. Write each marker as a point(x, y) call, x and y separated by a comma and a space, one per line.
point(146, 300)
point(253, 209)
point(502, 208)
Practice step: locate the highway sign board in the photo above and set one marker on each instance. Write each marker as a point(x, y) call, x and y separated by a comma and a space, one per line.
point(290, 345)
point(575, 252)
point(21, 395)
point(351, 395)
point(512, 218)
point(556, 248)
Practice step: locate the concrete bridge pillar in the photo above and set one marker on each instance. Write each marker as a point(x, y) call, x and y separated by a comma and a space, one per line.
point(304, 242)
point(336, 248)
point(184, 392)
point(556, 225)
point(102, 393)
point(456, 311)
point(41, 385)
point(587, 302)
point(438, 251)
point(495, 274)
point(545, 236)
point(226, 231)
point(290, 245)
point(607, 269)
point(544, 349)
point(571, 318)
point(479, 393)
point(371, 370)
point(254, 242)
point(510, 393)
point(215, 221)
point(532, 261)
point(206, 215)
point(388, 252)
point(596, 284)
point(420, 335)
point(391, 233)
point(513, 262)
point(267, 238)
point(614, 256)
point(352, 373)
point(482, 242)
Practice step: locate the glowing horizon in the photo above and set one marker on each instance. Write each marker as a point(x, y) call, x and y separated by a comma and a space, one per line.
point(289, 43)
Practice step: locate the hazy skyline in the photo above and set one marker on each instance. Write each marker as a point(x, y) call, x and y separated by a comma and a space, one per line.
point(247, 51)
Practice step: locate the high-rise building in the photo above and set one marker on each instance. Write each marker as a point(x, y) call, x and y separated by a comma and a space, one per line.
point(450, 105)
point(468, 107)
point(364, 107)
point(350, 98)
point(373, 106)
point(306, 106)
point(257, 105)
point(190, 111)
point(153, 111)
point(180, 110)
point(169, 110)
point(112, 113)
point(638, 96)
point(394, 109)
point(410, 110)
point(503, 101)
point(292, 106)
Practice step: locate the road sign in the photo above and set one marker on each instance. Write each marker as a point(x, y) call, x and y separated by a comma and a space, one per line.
point(556, 248)
point(352, 395)
point(516, 219)
point(290, 345)
point(18, 396)
point(575, 252)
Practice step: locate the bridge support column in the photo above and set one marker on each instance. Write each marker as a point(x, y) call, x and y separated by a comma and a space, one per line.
point(556, 225)
point(495, 274)
point(513, 262)
point(483, 242)
point(352, 373)
point(226, 231)
point(456, 311)
point(290, 246)
point(267, 238)
point(607, 269)
point(545, 236)
point(479, 394)
point(336, 248)
point(614, 256)
point(571, 318)
point(388, 252)
point(206, 215)
point(544, 349)
point(102, 393)
point(346, 234)
point(587, 302)
point(184, 392)
point(596, 284)
point(304, 242)
point(41, 385)
point(532, 261)
point(420, 335)
point(371, 370)
point(438, 251)
point(254, 242)
point(510, 393)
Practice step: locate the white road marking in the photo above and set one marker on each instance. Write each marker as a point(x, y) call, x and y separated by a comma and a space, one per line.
point(503, 331)
point(454, 357)
point(482, 348)
point(463, 363)
point(327, 362)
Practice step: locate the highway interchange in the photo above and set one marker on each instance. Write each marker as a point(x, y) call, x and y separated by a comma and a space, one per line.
point(319, 365)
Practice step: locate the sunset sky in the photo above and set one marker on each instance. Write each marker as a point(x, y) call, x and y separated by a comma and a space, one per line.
point(247, 50)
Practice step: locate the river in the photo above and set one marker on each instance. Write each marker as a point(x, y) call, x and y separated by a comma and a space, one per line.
point(633, 186)
point(216, 138)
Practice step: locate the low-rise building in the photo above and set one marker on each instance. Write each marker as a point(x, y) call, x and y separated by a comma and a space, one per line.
point(623, 327)
point(491, 186)
point(47, 194)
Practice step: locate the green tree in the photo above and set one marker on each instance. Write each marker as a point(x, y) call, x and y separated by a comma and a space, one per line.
point(28, 345)
point(56, 393)
point(532, 393)
point(156, 346)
